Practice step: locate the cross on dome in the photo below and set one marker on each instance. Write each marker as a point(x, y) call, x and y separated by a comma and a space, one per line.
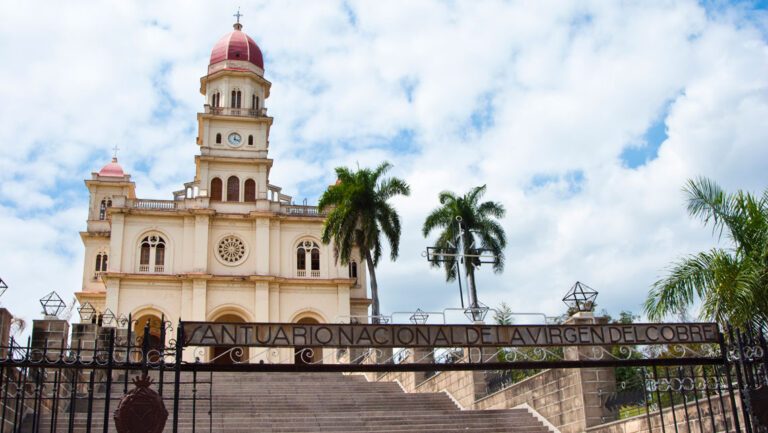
point(114, 151)
point(237, 25)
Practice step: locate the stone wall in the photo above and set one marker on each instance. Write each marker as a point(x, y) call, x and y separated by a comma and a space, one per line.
point(639, 424)
point(554, 394)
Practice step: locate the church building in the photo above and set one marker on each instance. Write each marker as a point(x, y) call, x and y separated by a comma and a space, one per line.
point(230, 246)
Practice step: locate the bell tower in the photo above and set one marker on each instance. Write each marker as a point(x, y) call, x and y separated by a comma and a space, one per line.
point(233, 129)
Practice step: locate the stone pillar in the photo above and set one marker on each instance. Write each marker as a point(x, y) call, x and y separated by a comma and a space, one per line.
point(5, 331)
point(479, 355)
point(84, 336)
point(49, 336)
point(597, 383)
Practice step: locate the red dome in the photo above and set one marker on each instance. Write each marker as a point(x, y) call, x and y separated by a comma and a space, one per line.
point(237, 45)
point(112, 169)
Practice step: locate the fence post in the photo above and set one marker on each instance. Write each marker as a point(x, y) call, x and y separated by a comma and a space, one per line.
point(177, 376)
point(108, 392)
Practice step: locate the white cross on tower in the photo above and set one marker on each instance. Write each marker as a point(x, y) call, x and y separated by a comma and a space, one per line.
point(114, 151)
point(238, 14)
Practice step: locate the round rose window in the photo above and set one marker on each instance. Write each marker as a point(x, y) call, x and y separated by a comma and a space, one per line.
point(231, 250)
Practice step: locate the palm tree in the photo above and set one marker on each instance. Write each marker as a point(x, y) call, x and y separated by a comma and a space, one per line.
point(358, 212)
point(732, 282)
point(477, 223)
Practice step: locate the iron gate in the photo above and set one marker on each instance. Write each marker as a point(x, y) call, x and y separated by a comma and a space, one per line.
point(711, 386)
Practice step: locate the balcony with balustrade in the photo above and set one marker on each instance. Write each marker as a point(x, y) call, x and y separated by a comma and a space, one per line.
point(240, 112)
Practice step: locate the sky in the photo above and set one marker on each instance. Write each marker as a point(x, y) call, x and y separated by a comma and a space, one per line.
point(583, 118)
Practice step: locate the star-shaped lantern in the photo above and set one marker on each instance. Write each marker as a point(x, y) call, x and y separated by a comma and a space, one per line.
point(86, 312)
point(419, 317)
point(581, 298)
point(108, 317)
point(477, 313)
point(3, 287)
point(52, 304)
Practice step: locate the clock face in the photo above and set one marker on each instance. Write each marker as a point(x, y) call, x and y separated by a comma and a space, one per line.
point(235, 139)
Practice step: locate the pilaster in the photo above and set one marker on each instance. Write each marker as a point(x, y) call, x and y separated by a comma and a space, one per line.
point(261, 301)
point(199, 300)
point(115, 263)
point(113, 294)
point(200, 263)
point(261, 247)
point(342, 308)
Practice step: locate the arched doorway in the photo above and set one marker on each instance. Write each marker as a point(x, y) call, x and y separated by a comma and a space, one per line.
point(228, 355)
point(154, 337)
point(307, 355)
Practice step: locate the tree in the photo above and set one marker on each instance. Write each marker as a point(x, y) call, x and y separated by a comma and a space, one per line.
point(732, 282)
point(358, 213)
point(478, 224)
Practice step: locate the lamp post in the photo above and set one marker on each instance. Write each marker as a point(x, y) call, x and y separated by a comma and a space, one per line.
point(459, 252)
point(52, 305)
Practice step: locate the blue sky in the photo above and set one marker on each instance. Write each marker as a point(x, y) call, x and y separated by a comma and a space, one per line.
point(583, 120)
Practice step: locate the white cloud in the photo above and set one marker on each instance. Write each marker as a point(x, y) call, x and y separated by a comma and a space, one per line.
point(562, 90)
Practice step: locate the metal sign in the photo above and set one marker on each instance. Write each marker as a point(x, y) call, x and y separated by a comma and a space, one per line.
point(365, 336)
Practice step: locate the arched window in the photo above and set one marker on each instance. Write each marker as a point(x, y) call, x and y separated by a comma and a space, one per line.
point(103, 208)
point(301, 262)
point(253, 102)
point(250, 140)
point(311, 248)
point(236, 98)
point(315, 259)
point(101, 264)
point(233, 189)
point(216, 189)
point(257, 102)
point(250, 190)
point(216, 99)
point(160, 255)
point(218, 138)
point(152, 251)
point(353, 270)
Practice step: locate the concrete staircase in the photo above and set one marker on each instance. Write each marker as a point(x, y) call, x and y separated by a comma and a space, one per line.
point(312, 402)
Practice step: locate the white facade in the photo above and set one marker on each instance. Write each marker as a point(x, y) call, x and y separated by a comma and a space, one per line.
point(235, 253)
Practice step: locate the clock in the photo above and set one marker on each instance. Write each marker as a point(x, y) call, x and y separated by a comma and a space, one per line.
point(235, 139)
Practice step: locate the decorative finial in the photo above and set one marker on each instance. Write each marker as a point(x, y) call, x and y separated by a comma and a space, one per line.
point(237, 25)
point(114, 152)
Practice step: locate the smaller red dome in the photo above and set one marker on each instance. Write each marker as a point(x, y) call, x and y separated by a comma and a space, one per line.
point(237, 45)
point(112, 169)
